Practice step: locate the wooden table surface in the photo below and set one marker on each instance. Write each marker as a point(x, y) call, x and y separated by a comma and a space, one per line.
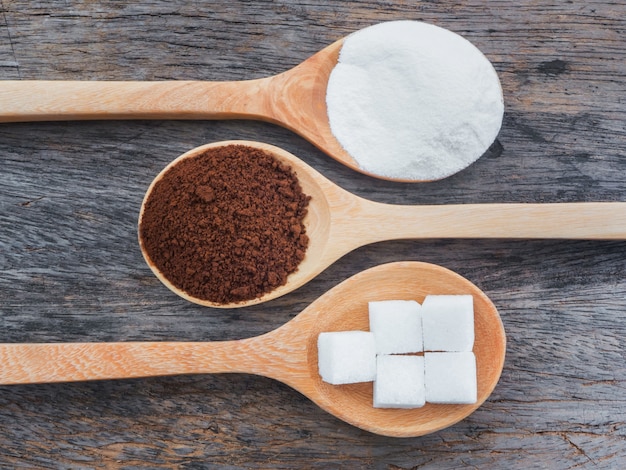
point(71, 268)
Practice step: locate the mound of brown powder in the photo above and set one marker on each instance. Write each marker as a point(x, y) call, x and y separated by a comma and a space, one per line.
point(226, 225)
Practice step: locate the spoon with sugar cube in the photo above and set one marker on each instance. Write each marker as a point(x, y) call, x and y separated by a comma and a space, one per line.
point(400, 100)
point(290, 353)
point(338, 222)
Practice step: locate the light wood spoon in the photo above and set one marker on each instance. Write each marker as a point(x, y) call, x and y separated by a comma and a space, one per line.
point(339, 222)
point(289, 353)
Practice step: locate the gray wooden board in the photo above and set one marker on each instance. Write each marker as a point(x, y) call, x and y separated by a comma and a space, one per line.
point(71, 269)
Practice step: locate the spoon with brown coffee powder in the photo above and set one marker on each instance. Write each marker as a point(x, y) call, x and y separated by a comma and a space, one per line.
point(337, 222)
point(288, 354)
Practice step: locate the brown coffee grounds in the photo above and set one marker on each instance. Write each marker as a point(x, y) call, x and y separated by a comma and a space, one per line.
point(226, 225)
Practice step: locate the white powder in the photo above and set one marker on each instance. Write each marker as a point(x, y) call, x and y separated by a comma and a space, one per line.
point(413, 101)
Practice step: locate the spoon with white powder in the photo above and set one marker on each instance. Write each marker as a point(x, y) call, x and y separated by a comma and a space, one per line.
point(289, 353)
point(401, 100)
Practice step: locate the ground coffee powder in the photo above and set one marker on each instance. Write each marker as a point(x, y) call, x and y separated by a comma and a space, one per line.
point(226, 225)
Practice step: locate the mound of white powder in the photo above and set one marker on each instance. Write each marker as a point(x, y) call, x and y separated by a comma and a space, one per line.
point(413, 101)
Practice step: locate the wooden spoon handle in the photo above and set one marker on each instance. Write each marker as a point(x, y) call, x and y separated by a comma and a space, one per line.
point(67, 362)
point(579, 220)
point(31, 100)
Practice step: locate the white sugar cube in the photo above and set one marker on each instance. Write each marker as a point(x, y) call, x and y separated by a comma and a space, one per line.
point(346, 356)
point(397, 326)
point(450, 377)
point(399, 382)
point(448, 323)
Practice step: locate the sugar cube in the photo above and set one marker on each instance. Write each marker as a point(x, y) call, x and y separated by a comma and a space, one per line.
point(346, 356)
point(450, 377)
point(448, 323)
point(399, 382)
point(397, 326)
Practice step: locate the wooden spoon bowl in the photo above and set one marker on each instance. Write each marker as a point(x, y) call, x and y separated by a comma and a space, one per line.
point(317, 222)
point(289, 353)
point(404, 281)
point(339, 222)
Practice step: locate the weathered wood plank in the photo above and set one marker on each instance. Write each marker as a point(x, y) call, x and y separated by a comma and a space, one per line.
point(71, 270)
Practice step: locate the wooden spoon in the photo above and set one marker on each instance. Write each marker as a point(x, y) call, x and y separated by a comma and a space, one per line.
point(289, 353)
point(339, 222)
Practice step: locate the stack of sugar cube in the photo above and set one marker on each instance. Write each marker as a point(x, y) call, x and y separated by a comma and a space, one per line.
point(413, 353)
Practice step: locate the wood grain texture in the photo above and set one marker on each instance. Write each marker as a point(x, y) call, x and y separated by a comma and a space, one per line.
point(71, 268)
